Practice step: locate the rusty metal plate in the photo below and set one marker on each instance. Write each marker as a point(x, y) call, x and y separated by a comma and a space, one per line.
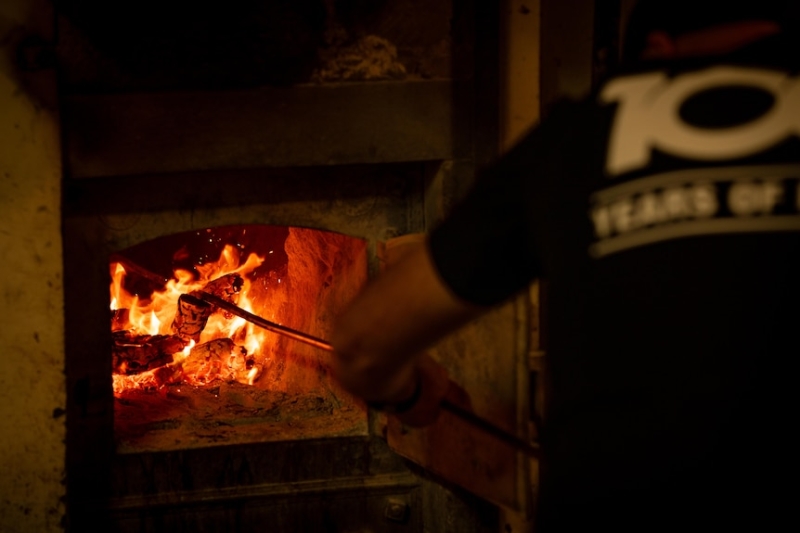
point(488, 358)
point(485, 366)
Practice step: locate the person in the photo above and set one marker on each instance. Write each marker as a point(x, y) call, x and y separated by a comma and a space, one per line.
point(663, 211)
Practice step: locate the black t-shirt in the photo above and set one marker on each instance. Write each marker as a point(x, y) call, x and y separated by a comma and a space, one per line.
point(664, 214)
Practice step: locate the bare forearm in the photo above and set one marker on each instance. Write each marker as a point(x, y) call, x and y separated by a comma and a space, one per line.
point(395, 318)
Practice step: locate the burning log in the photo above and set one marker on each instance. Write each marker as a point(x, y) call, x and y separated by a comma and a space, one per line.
point(219, 359)
point(191, 317)
point(150, 380)
point(167, 374)
point(132, 354)
point(192, 314)
point(226, 287)
point(130, 266)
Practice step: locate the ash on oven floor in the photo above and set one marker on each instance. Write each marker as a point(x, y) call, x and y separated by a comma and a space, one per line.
point(182, 416)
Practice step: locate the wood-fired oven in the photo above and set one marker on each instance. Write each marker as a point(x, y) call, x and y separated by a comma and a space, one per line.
point(281, 144)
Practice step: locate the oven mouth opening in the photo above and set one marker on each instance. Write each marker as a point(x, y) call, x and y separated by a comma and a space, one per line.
point(188, 374)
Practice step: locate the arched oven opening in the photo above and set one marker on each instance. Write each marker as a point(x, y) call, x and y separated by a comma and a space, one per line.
point(187, 373)
point(261, 154)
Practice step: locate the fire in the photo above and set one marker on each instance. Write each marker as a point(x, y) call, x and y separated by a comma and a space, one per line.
point(144, 327)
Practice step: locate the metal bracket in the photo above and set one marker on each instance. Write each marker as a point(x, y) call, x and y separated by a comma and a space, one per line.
point(396, 510)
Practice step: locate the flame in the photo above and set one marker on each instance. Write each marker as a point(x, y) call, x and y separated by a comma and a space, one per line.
point(117, 276)
point(181, 356)
point(154, 314)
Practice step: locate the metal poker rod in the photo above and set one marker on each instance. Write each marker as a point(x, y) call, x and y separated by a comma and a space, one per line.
point(264, 323)
point(464, 414)
point(468, 416)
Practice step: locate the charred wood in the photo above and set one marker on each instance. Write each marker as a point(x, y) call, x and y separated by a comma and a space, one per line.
point(130, 266)
point(226, 287)
point(191, 317)
point(169, 374)
point(219, 359)
point(132, 354)
point(166, 375)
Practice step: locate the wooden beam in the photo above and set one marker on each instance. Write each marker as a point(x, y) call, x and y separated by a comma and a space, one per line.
point(519, 57)
point(567, 33)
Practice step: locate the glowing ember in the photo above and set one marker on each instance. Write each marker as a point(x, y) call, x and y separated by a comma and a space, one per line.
point(171, 336)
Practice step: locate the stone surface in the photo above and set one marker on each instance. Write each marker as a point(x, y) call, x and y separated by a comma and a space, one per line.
point(32, 387)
